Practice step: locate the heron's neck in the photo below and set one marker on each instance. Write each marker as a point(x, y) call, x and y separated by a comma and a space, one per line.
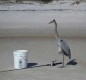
point(56, 32)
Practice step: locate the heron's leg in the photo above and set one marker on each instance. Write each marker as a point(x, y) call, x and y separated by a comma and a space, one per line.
point(63, 59)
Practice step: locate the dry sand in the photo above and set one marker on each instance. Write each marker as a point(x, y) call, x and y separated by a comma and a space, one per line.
point(41, 52)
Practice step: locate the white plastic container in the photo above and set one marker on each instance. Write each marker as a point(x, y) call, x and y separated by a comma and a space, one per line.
point(20, 59)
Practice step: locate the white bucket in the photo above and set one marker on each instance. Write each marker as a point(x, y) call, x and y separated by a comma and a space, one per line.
point(20, 59)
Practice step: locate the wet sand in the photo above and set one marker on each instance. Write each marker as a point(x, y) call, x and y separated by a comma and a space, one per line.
point(41, 52)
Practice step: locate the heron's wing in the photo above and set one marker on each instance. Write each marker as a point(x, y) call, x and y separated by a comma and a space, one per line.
point(65, 48)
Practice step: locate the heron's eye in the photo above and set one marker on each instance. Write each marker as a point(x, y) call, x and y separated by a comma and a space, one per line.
point(61, 40)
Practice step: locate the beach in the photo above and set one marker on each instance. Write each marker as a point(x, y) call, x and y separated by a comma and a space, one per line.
point(24, 27)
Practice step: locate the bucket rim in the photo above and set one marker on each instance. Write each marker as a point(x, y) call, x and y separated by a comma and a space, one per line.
point(23, 51)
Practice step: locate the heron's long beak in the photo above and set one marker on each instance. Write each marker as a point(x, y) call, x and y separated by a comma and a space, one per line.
point(51, 21)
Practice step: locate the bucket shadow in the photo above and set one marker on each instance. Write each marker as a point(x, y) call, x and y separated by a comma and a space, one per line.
point(30, 65)
point(72, 62)
point(35, 65)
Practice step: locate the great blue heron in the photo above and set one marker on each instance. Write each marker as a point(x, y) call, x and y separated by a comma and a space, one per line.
point(62, 45)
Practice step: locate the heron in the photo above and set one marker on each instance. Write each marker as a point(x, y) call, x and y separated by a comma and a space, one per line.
point(63, 47)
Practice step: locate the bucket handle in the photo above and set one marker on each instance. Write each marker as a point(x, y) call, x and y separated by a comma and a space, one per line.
point(23, 58)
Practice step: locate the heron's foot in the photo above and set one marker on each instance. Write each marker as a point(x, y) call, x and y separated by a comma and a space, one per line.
point(62, 66)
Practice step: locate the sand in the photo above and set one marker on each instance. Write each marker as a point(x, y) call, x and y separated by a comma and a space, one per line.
point(41, 52)
point(27, 28)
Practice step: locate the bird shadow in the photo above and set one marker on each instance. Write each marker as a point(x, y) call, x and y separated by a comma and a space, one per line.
point(55, 64)
point(72, 62)
point(34, 65)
